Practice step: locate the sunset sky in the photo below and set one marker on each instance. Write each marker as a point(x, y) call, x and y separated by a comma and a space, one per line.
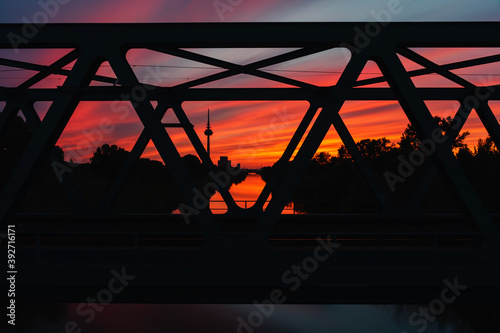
point(250, 133)
point(253, 134)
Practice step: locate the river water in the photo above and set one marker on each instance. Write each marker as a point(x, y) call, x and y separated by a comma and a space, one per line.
point(245, 194)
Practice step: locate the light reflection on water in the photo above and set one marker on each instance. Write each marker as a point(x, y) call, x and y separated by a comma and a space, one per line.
point(245, 194)
point(152, 318)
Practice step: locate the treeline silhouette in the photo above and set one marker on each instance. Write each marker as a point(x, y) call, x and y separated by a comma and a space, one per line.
point(334, 184)
point(149, 187)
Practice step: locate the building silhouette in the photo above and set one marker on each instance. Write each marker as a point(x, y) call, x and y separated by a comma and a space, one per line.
point(223, 162)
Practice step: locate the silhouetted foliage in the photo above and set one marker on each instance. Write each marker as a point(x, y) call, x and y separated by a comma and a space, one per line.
point(193, 164)
point(369, 148)
point(328, 178)
point(485, 148)
point(322, 158)
point(409, 140)
point(335, 184)
point(107, 159)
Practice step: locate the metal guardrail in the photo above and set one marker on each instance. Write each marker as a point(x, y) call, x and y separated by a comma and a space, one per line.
point(138, 240)
point(149, 206)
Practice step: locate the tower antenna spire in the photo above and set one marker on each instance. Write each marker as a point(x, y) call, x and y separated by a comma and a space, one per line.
point(208, 132)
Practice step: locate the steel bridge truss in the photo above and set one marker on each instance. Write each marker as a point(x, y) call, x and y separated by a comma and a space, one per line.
point(92, 44)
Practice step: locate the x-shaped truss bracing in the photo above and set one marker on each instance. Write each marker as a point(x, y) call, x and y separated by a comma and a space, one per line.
point(92, 44)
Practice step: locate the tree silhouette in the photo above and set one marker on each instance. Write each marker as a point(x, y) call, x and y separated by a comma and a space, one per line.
point(107, 159)
point(373, 148)
point(486, 147)
point(369, 148)
point(330, 179)
point(465, 154)
point(342, 152)
point(410, 141)
point(193, 165)
point(322, 158)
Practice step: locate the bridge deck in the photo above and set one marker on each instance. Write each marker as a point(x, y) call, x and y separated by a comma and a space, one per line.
point(388, 265)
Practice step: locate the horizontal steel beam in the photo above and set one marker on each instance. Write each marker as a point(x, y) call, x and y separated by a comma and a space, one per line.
point(234, 94)
point(214, 35)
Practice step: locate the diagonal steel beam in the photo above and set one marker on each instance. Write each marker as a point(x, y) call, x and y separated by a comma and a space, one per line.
point(417, 58)
point(232, 207)
point(357, 157)
point(34, 122)
point(282, 164)
point(234, 69)
point(163, 143)
point(32, 118)
point(430, 171)
point(416, 110)
point(57, 65)
point(309, 147)
point(425, 71)
point(67, 181)
point(45, 138)
point(105, 79)
point(136, 153)
point(476, 98)
point(489, 121)
point(363, 166)
point(45, 69)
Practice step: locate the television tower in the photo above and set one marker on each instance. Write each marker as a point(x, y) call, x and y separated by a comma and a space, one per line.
point(208, 133)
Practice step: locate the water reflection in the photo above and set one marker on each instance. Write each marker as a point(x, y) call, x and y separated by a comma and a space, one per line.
point(146, 318)
point(245, 194)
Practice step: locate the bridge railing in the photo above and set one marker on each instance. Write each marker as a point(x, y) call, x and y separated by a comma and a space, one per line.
point(219, 207)
point(433, 243)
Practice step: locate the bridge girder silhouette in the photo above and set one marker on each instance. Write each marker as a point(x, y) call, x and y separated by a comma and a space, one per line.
point(92, 44)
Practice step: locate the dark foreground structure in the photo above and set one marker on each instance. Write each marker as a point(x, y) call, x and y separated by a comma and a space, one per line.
point(395, 256)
